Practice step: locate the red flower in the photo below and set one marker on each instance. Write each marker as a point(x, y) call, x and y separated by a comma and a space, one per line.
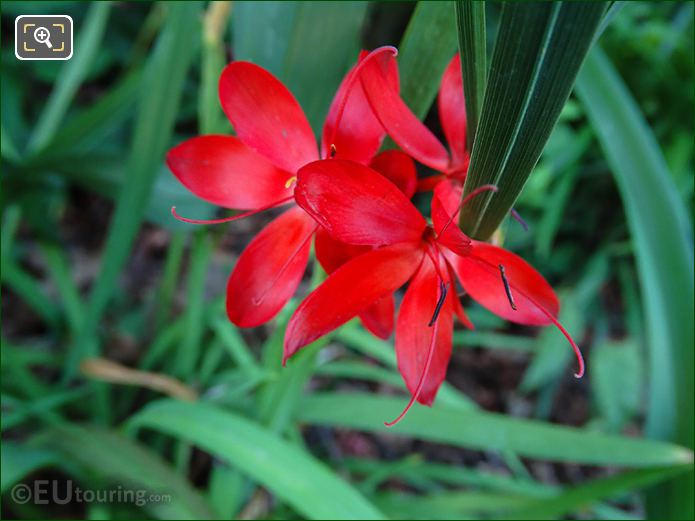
point(331, 253)
point(411, 134)
point(256, 171)
point(358, 206)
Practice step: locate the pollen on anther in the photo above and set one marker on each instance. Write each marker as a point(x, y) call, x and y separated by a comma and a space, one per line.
point(291, 180)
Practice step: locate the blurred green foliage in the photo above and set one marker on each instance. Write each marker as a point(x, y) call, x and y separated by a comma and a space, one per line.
point(92, 263)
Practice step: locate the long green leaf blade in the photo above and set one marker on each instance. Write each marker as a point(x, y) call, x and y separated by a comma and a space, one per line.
point(432, 27)
point(160, 95)
point(74, 73)
point(114, 458)
point(293, 475)
point(662, 235)
point(470, 18)
point(538, 52)
point(584, 495)
point(488, 431)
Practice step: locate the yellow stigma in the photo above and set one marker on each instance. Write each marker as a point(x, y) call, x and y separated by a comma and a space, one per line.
point(291, 180)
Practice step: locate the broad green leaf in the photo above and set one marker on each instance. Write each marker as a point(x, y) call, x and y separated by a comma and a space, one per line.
point(488, 431)
point(19, 460)
point(575, 498)
point(470, 18)
point(539, 49)
point(413, 468)
point(433, 27)
point(159, 99)
point(91, 126)
point(118, 460)
point(367, 344)
point(446, 505)
point(616, 380)
point(307, 45)
point(662, 236)
point(74, 71)
point(490, 340)
point(293, 475)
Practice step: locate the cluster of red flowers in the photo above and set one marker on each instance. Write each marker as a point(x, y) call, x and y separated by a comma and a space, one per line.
point(355, 203)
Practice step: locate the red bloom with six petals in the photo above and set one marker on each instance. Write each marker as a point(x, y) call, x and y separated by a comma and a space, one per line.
point(256, 170)
point(358, 206)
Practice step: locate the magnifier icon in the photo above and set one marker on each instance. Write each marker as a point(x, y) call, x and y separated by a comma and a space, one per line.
point(42, 35)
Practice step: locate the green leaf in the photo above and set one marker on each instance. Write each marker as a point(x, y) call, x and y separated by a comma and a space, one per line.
point(616, 378)
point(446, 505)
point(470, 18)
point(539, 49)
point(301, 481)
point(575, 498)
point(662, 236)
point(432, 26)
point(94, 124)
point(160, 95)
point(488, 431)
point(307, 45)
point(191, 343)
point(19, 460)
point(73, 74)
point(116, 459)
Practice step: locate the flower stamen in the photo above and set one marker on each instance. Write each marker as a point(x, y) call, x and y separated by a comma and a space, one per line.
point(518, 219)
point(443, 289)
point(290, 181)
point(232, 217)
point(507, 289)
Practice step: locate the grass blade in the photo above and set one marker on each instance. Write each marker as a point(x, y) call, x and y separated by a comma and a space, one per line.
point(470, 18)
point(584, 495)
point(289, 472)
point(431, 27)
point(538, 52)
point(662, 236)
point(114, 458)
point(160, 95)
point(73, 74)
point(488, 431)
point(19, 460)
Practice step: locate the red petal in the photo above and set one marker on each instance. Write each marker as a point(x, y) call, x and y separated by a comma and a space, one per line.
point(356, 204)
point(447, 230)
point(450, 194)
point(401, 124)
point(414, 336)
point(398, 168)
point(265, 115)
point(332, 254)
point(225, 172)
point(359, 133)
point(427, 184)
point(480, 276)
point(534, 299)
point(348, 291)
point(270, 269)
point(378, 318)
point(452, 112)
